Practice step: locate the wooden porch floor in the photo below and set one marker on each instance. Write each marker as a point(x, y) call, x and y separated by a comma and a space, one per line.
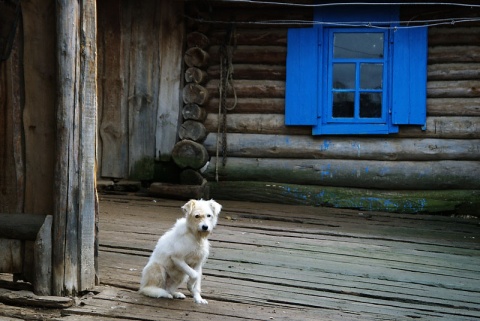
point(277, 262)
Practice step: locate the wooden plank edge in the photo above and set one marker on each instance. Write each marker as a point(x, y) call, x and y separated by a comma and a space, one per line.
point(398, 201)
point(30, 299)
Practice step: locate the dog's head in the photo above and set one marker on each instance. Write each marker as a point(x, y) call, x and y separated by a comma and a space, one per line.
point(202, 215)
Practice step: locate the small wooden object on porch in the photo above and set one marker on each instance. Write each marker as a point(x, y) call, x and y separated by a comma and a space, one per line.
point(15, 230)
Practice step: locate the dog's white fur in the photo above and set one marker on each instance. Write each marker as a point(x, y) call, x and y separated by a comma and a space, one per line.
point(181, 252)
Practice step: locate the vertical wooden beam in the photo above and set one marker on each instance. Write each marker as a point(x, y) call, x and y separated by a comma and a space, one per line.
point(171, 61)
point(64, 251)
point(42, 280)
point(75, 195)
point(88, 129)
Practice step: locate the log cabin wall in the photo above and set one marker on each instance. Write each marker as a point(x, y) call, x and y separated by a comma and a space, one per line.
point(413, 171)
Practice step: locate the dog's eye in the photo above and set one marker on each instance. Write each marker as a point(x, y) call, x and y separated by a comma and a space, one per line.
point(197, 216)
point(209, 215)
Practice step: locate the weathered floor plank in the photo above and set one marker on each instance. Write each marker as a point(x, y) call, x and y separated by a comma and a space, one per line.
point(331, 264)
point(277, 262)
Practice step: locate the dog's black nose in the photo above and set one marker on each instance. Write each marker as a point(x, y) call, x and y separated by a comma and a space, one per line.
point(204, 227)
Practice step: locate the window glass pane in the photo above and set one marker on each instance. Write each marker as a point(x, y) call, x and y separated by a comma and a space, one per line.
point(370, 105)
point(343, 105)
point(358, 45)
point(371, 76)
point(343, 76)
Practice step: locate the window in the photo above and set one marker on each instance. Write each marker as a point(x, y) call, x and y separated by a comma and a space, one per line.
point(344, 79)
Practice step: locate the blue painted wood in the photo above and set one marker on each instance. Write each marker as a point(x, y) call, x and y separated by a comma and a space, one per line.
point(307, 102)
point(301, 97)
point(353, 129)
point(409, 89)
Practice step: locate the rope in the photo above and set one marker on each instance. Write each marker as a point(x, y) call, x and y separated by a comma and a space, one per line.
point(224, 87)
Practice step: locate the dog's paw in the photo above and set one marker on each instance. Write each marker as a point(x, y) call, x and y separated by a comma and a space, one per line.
point(200, 300)
point(179, 295)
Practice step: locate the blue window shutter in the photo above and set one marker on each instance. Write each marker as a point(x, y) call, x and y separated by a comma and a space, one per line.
point(302, 68)
point(409, 90)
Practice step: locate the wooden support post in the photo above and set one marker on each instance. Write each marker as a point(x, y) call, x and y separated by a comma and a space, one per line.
point(74, 209)
point(65, 183)
point(87, 152)
point(42, 259)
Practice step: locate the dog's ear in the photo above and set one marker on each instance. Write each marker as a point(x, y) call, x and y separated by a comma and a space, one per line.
point(188, 207)
point(215, 207)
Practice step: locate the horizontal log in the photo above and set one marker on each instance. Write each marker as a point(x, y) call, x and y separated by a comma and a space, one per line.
point(197, 39)
point(311, 147)
point(442, 54)
point(251, 105)
point(445, 127)
point(259, 37)
point(251, 88)
point(453, 36)
point(191, 177)
point(453, 89)
point(392, 175)
point(192, 130)
point(402, 201)
point(182, 192)
point(196, 57)
point(275, 55)
point(252, 71)
point(189, 154)
point(437, 127)
point(454, 71)
point(453, 107)
point(196, 75)
point(195, 94)
point(435, 106)
point(20, 226)
point(194, 112)
point(256, 123)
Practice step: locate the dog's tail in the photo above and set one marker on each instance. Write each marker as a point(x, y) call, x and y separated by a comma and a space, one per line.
point(155, 292)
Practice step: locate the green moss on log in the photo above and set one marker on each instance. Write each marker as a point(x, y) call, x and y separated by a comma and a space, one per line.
point(143, 170)
point(401, 201)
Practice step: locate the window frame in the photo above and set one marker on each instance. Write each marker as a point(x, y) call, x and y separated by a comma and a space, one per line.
point(331, 61)
point(306, 76)
point(326, 123)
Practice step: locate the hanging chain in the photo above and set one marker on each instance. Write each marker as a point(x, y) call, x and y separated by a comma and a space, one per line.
point(225, 86)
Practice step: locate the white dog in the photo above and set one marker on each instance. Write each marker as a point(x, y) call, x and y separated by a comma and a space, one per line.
point(181, 252)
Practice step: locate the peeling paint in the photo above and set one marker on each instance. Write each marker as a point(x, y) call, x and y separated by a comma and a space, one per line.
point(326, 144)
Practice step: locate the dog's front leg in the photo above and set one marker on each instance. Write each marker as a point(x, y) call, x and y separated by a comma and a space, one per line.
point(194, 283)
point(194, 286)
point(180, 263)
